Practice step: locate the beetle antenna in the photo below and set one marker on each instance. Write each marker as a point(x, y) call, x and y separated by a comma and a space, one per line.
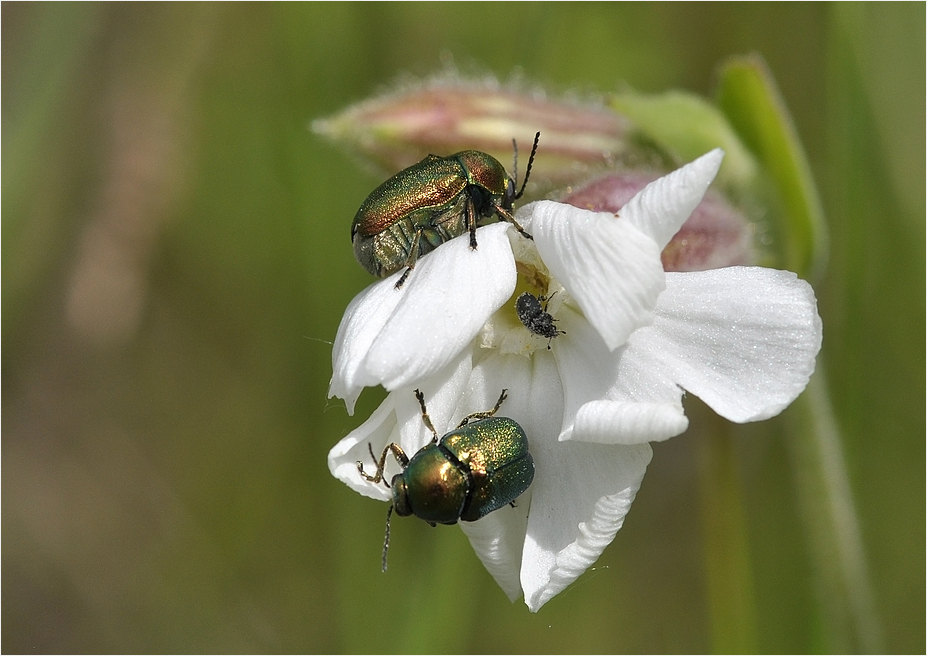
point(514, 165)
point(534, 151)
point(386, 540)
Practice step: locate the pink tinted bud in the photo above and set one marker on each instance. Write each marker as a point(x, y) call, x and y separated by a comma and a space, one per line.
point(715, 236)
point(448, 115)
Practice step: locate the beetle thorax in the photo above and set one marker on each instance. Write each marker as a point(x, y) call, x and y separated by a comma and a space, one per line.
point(484, 170)
point(433, 487)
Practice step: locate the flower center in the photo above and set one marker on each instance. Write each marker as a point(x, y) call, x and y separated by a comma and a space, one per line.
point(523, 324)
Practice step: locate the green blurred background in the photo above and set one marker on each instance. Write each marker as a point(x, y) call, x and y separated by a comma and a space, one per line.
point(175, 262)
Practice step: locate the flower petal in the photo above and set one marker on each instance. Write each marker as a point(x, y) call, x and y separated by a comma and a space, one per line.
point(628, 422)
point(362, 323)
point(580, 493)
point(576, 509)
point(610, 268)
point(397, 337)
point(446, 300)
point(498, 539)
point(585, 365)
point(399, 420)
point(380, 429)
point(660, 208)
point(533, 401)
point(742, 339)
point(609, 398)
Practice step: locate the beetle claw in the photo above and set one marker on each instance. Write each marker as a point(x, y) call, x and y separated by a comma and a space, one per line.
point(402, 278)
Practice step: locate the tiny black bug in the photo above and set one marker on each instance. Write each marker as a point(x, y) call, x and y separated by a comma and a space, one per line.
point(535, 317)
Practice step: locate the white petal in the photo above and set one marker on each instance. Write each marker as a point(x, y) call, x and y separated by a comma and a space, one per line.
point(611, 268)
point(534, 402)
point(742, 339)
point(585, 365)
point(628, 422)
point(659, 209)
point(399, 420)
point(446, 300)
point(498, 539)
point(609, 398)
point(442, 394)
point(362, 323)
point(379, 430)
point(396, 337)
point(576, 509)
point(580, 493)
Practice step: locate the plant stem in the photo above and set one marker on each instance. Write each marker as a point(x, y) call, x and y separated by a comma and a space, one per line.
point(829, 514)
point(731, 601)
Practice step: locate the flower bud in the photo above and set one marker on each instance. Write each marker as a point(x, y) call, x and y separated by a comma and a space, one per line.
point(715, 235)
point(451, 114)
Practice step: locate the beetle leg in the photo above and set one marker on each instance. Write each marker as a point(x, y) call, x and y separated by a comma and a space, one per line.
point(403, 277)
point(502, 397)
point(471, 224)
point(507, 216)
point(397, 452)
point(425, 418)
point(413, 257)
point(488, 413)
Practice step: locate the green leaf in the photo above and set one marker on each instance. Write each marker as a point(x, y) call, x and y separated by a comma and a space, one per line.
point(748, 95)
point(690, 126)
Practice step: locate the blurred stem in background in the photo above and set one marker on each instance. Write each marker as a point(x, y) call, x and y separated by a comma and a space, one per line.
point(725, 536)
point(849, 621)
point(750, 98)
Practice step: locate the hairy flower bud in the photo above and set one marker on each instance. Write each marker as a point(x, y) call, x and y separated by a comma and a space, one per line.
point(451, 114)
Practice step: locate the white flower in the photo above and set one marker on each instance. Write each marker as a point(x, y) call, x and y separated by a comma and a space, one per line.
point(743, 339)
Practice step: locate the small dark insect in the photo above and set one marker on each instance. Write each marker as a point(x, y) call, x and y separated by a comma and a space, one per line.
point(536, 318)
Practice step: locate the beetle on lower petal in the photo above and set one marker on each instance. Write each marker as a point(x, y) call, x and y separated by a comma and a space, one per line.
point(480, 466)
point(429, 203)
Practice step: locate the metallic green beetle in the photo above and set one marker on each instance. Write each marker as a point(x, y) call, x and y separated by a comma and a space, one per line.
point(429, 203)
point(477, 468)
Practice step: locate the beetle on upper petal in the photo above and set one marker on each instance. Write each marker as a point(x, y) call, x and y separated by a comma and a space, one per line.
point(480, 466)
point(429, 203)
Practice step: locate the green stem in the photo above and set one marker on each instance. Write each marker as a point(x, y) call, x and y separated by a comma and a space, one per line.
point(829, 514)
point(446, 589)
point(728, 568)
